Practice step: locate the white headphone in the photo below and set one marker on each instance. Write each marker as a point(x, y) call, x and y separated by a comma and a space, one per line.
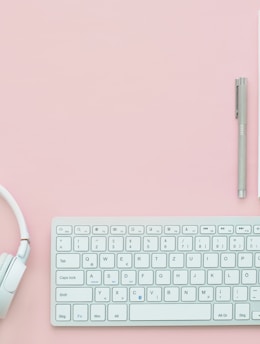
point(12, 267)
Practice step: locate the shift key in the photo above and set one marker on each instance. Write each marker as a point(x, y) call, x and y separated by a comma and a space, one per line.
point(74, 294)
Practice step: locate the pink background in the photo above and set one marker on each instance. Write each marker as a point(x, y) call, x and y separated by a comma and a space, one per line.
point(120, 108)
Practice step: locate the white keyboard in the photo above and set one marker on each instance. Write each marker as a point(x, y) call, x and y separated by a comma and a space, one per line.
point(155, 271)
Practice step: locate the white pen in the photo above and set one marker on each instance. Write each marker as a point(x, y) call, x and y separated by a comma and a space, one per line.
point(241, 115)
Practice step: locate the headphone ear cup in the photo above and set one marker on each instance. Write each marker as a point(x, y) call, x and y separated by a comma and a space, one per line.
point(11, 272)
point(5, 261)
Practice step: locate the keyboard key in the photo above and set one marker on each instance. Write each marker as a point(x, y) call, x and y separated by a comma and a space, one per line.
point(193, 260)
point(168, 312)
point(211, 260)
point(107, 260)
point(227, 260)
point(154, 229)
point(185, 244)
point(245, 260)
point(74, 294)
point(124, 260)
point(208, 229)
point(63, 312)
point(97, 230)
point(128, 277)
point(240, 293)
point(197, 277)
point(111, 277)
point(256, 315)
point(180, 277)
point(93, 277)
point(120, 294)
point(257, 260)
point(115, 244)
point(214, 277)
point(219, 243)
point(257, 229)
point(243, 229)
point(154, 294)
point(102, 294)
point(117, 312)
point(163, 277)
point(151, 243)
point(190, 229)
point(80, 312)
point(89, 260)
point(171, 294)
point(63, 244)
point(226, 229)
point(231, 277)
point(172, 229)
point(98, 244)
point(176, 260)
point(206, 294)
point(81, 244)
point(255, 293)
point(82, 230)
point(97, 312)
point(223, 294)
point(133, 244)
point(115, 230)
point(136, 294)
point(146, 277)
point(202, 243)
point(223, 311)
point(188, 294)
point(248, 277)
point(168, 243)
point(142, 260)
point(158, 260)
point(68, 261)
point(136, 230)
point(64, 230)
point(236, 243)
point(72, 277)
point(253, 243)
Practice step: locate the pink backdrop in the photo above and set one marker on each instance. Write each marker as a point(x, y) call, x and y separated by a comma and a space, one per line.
point(120, 108)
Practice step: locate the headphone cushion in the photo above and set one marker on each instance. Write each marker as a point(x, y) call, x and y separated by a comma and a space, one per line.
point(5, 261)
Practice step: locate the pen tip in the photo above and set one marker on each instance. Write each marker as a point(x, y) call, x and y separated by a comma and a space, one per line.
point(241, 193)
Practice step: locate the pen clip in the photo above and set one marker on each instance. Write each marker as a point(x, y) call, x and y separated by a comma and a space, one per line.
point(237, 96)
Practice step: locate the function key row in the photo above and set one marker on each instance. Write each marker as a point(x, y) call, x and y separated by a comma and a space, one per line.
point(155, 229)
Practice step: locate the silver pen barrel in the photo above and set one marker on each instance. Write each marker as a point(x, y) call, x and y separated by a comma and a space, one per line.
point(241, 114)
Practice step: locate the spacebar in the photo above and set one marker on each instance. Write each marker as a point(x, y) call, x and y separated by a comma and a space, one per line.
point(170, 311)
